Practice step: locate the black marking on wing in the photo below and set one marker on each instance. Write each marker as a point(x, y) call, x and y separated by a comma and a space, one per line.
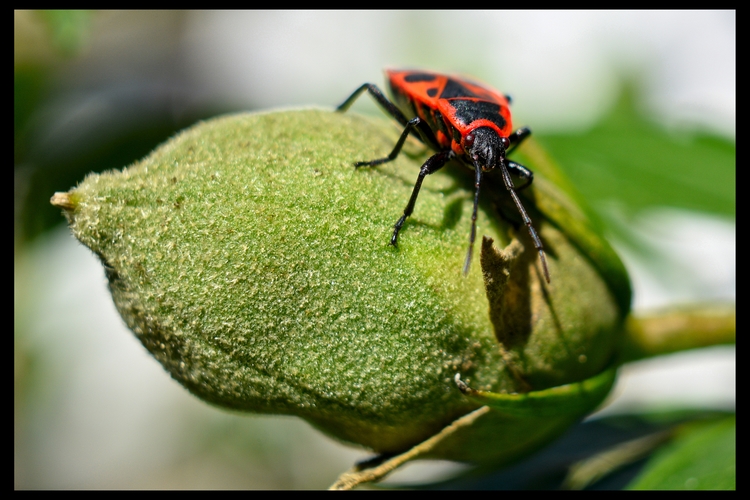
point(468, 111)
point(454, 88)
point(419, 77)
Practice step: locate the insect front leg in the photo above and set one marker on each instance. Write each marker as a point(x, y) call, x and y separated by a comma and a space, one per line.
point(433, 164)
point(522, 172)
point(517, 137)
point(526, 219)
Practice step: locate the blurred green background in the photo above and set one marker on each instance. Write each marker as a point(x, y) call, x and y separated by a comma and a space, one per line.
point(637, 107)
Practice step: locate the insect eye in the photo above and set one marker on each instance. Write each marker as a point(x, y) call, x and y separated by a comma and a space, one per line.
point(469, 140)
point(505, 142)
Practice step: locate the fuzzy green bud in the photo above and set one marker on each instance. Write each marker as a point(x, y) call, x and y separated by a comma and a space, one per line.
point(253, 261)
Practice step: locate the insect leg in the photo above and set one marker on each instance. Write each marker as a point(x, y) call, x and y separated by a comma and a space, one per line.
point(423, 132)
point(378, 95)
point(414, 122)
point(477, 184)
point(433, 164)
point(526, 219)
point(517, 137)
point(521, 172)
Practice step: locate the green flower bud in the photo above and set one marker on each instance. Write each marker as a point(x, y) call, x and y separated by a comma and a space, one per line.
point(253, 261)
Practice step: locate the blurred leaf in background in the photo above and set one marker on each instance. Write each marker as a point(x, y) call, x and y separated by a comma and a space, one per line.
point(68, 30)
point(701, 457)
point(78, 111)
point(643, 165)
point(627, 167)
point(696, 450)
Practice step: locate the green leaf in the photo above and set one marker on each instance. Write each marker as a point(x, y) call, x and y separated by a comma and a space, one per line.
point(606, 453)
point(702, 457)
point(69, 30)
point(628, 158)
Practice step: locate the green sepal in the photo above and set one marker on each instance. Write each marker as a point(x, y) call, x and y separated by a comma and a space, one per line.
point(569, 399)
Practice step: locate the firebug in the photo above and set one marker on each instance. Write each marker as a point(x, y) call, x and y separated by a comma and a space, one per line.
point(461, 120)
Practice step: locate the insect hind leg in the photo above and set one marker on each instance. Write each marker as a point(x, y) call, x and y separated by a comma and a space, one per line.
point(421, 130)
point(381, 99)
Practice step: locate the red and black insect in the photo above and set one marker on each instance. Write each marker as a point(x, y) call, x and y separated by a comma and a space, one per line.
point(460, 120)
